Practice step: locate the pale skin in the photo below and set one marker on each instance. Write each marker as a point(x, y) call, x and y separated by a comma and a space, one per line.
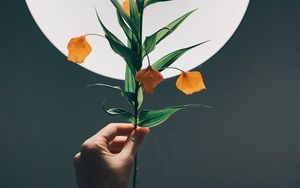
point(106, 159)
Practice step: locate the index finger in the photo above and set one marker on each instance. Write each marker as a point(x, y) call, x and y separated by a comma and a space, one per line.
point(112, 130)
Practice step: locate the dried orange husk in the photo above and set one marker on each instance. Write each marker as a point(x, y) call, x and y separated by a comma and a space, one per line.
point(79, 49)
point(149, 78)
point(190, 82)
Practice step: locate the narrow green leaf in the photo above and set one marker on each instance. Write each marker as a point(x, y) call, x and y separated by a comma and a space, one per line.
point(151, 41)
point(134, 14)
point(119, 48)
point(130, 85)
point(140, 5)
point(149, 44)
point(106, 85)
point(140, 97)
point(156, 117)
point(169, 59)
point(120, 112)
point(125, 28)
point(126, 53)
point(126, 17)
point(107, 32)
point(150, 2)
point(172, 26)
point(128, 95)
point(129, 80)
point(132, 40)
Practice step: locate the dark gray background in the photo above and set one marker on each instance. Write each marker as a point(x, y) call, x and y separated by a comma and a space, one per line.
point(250, 139)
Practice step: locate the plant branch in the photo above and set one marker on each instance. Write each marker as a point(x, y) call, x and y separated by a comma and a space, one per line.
point(93, 34)
point(149, 62)
point(175, 68)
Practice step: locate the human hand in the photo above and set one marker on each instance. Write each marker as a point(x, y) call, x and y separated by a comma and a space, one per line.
point(106, 159)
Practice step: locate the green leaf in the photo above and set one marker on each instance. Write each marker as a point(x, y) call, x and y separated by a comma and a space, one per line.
point(140, 97)
point(126, 53)
point(126, 17)
point(106, 85)
point(120, 112)
point(149, 2)
point(134, 14)
point(107, 32)
point(119, 48)
point(173, 26)
point(132, 40)
point(125, 28)
point(169, 59)
point(149, 44)
point(151, 41)
point(156, 117)
point(130, 85)
point(140, 5)
point(128, 95)
point(129, 80)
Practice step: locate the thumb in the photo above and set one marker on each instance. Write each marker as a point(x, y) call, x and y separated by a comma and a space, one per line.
point(134, 140)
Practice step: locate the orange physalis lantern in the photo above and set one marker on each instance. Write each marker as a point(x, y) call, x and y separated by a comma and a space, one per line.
point(79, 49)
point(149, 78)
point(190, 82)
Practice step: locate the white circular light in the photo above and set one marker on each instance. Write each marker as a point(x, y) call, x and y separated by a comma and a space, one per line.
point(215, 20)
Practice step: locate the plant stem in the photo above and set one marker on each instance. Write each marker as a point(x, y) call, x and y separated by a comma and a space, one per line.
point(136, 105)
point(135, 171)
point(149, 62)
point(93, 34)
point(174, 68)
point(135, 168)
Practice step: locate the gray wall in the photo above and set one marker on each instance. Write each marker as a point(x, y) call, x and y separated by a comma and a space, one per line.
point(249, 139)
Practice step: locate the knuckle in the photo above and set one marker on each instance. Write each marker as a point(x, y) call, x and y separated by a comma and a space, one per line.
point(89, 148)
